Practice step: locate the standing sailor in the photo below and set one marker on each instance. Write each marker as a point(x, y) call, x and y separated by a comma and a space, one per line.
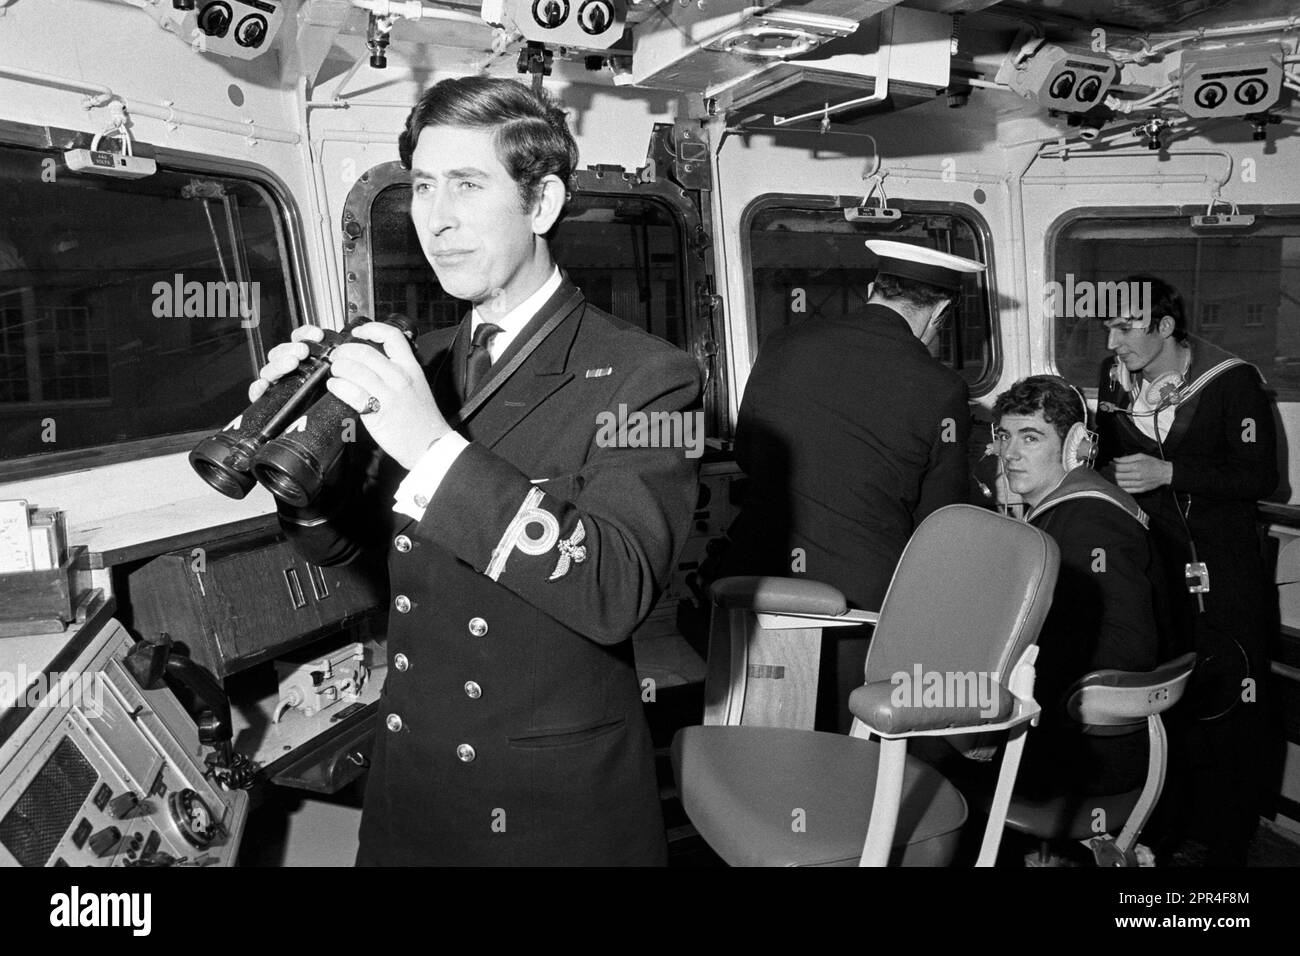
point(1189, 432)
point(851, 433)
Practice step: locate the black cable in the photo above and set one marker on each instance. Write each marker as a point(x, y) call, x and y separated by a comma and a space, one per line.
point(1191, 542)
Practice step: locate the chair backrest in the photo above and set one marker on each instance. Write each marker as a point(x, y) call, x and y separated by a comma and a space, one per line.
point(969, 595)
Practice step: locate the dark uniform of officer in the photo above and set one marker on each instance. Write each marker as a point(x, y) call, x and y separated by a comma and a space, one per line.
point(522, 548)
point(851, 433)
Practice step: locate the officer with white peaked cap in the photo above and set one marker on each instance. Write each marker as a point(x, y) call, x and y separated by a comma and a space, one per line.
point(851, 433)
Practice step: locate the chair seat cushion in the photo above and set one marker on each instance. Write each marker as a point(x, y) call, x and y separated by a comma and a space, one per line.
point(1070, 817)
point(742, 787)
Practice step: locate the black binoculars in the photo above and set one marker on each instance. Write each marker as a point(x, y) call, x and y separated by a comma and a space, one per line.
point(291, 439)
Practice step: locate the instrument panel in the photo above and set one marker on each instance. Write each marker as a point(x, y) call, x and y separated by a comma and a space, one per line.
point(115, 778)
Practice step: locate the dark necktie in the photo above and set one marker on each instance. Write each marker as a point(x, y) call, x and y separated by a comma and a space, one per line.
point(480, 357)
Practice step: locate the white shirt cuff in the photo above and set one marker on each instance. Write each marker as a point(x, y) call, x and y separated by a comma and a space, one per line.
point(421, 482)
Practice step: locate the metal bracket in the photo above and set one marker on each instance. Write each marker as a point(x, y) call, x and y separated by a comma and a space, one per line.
point(682, 152)
point(534, 58)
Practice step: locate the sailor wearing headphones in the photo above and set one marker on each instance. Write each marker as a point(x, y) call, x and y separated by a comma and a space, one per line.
point(1189, 431)
point(1102, 613)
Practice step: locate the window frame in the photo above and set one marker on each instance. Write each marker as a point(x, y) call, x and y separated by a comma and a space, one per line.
point(1180, 211)
point(1211, 315)
point(702, 320)
point(966, 213)
point(26, 136)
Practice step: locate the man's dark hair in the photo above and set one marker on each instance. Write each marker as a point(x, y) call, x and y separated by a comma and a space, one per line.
point(922, 295)
point(1165, 300)
point(531, 133)
point(1060, 404)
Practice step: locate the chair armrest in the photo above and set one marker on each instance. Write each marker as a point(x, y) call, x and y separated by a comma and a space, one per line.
point(1112, 698)
point(789, 603)
point(899, 707)
point(772, 595)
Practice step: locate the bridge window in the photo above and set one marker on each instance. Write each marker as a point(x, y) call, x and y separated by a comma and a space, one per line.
point(624, 252)
point(131, 311)
point(1240, 289)
point(808, 263)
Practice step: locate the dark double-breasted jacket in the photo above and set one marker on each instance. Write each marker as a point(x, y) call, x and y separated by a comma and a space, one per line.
point(511, 728)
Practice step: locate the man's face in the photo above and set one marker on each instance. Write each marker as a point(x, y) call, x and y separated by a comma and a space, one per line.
point(483, 245)
point(1030, 450)
point(1132, 344)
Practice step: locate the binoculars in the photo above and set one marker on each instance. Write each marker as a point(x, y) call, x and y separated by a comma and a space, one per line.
point(292, 439)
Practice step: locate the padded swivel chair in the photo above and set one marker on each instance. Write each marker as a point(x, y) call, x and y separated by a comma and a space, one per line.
point(967, 600)
point(1105, 702)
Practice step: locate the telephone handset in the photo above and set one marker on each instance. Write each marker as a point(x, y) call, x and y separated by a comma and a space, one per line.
point(151, 661)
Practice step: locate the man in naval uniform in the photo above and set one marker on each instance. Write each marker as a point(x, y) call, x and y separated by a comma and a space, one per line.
point(1189, 431)
point(1103, 607)
point(522, 548)
point(851, 433)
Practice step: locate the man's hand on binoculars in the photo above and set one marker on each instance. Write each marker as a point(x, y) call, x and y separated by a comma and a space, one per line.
point(407, 421)
point(283, 359)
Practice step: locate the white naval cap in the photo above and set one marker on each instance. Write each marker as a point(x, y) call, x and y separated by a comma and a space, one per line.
point(921, 264)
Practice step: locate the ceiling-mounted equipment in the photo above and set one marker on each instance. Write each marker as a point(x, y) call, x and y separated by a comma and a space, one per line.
point(580, 24)
point(1059, 78)
point(1222, 220)
point(1152, 132)
point(1237, 81)
point(123, 164)
point(243, 29)
point(879, 214)
point(377, 38)
point(702, 47)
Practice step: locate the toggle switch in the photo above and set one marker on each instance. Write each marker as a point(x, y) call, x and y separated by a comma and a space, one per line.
point(123, 805)
point(105, 841)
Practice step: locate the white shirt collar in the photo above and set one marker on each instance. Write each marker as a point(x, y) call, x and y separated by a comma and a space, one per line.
point(514, 320)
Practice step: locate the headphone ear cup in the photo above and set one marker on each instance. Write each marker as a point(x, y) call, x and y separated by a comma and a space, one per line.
point(1072, 450)
point(1079, 447)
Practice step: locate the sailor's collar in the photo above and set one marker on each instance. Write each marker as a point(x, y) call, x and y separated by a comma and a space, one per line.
point(1080, 483)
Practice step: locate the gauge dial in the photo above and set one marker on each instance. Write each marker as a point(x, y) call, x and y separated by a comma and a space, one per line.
point(192, 817)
